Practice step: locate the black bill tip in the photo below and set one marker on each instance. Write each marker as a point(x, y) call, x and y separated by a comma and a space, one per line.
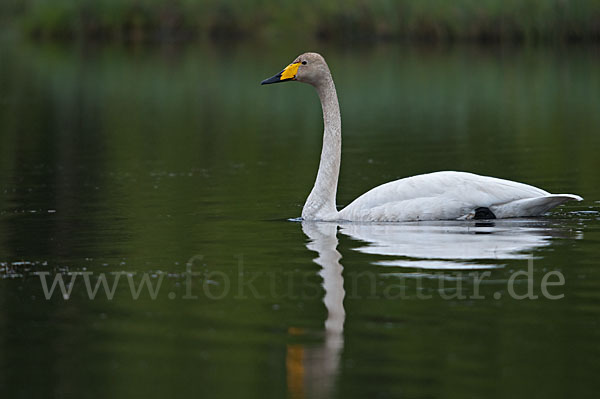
point(272, 79)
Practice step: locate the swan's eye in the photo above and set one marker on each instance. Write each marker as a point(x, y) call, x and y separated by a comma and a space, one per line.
point(303, 62)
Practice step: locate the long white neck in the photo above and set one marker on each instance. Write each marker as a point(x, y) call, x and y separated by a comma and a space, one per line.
point(320, 204)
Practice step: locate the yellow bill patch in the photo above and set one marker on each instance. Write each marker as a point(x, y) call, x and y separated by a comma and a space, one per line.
point(290, 71)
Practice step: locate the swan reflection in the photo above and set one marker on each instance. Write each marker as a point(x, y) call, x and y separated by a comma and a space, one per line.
point(312, 370)
point(452, 245)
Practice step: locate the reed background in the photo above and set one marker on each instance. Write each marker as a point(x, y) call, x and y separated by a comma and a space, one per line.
point(339, 20)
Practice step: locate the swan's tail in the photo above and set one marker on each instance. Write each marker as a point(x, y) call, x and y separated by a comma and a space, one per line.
point(532, 206)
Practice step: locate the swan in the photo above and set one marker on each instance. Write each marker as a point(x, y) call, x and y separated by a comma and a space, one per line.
point(446, 195)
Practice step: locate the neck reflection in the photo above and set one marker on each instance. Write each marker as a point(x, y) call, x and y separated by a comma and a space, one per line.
point(312, 370)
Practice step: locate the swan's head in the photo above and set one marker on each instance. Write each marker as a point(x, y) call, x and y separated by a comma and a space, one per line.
point(309, 68)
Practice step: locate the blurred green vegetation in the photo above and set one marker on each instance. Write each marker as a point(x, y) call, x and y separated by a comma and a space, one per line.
point(481, 20)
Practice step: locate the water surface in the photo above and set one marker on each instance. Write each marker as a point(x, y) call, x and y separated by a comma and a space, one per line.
point(145, 160)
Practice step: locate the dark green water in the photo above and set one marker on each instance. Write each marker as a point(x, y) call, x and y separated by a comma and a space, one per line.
point(142, 160)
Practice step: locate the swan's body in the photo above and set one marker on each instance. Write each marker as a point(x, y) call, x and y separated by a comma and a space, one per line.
point(450, 195)
point(433, 196)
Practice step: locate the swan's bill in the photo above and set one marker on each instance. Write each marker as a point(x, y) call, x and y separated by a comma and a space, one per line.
point(288, 73)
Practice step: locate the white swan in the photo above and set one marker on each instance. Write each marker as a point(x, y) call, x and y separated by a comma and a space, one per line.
point(433, 196)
